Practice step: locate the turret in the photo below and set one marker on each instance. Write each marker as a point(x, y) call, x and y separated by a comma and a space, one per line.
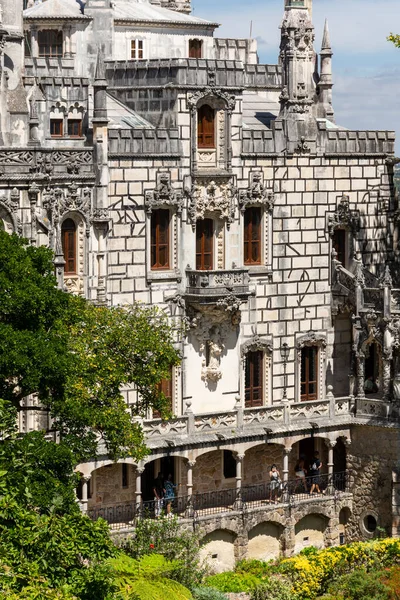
point(325, 83)
point(298, 59)
point(307, 3)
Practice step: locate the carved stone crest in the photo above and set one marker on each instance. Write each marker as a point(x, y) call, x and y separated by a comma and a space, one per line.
point(344, 217)
point(257, 193)
point(212, 197)
point(255, 344)
point(163, 195)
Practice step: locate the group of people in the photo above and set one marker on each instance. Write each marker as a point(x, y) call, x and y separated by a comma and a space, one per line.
point(164, 494)
point(308, 478)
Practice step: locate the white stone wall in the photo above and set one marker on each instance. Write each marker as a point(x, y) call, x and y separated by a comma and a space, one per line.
point(160, 43)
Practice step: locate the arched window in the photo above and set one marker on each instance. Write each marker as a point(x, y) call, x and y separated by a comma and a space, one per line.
point(204, 244)
point(206, 127)
point(68, 236)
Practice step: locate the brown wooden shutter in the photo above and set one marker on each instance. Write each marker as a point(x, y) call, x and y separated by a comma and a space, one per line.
point(195, 48)
point(252, 236)
point(160, 241)
point(50, 43)
point(68, 237)
point(254, 379)
point(204, 244)
point(164, 387)
point(206, 127)
point(309, 373)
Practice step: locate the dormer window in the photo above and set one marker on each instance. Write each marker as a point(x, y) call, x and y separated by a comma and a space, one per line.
point(137, 49)
point(195, 48)
point(50, 43)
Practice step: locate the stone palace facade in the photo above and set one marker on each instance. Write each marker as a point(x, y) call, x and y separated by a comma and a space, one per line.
point(167, 166)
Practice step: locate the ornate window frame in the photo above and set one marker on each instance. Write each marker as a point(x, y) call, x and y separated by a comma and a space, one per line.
point(175, 391)
point(346, 219)
point(258, 194)
point(164, 196)
point(254, 344)
point(318, 339)
point(223, 105)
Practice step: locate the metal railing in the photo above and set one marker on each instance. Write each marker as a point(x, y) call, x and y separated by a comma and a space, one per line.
point(263, 495)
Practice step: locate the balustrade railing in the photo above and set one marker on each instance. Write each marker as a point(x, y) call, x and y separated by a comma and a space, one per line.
point(263, 495)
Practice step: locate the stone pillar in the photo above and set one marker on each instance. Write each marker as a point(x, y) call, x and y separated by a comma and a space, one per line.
point(239, 475)
point(34, 42)
point(189, 507)
point(193, 124)
point(330, 445)
point(285, 473)
point(33, 193)
point(360, 375)
point(228, 138)
point(67, 35)
point(85, 497)
point(138, 488)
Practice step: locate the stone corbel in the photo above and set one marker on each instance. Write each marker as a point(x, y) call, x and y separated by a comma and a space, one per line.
point(164, 195)
point(256, 194)
point(344, 217)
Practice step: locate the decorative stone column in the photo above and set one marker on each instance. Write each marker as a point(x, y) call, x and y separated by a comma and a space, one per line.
point(33, 193)
point(85, 497)
point(138, 487)
point(330, 445)
point(239, 474)
point(285, 473)
point(34, 42)
point(360, 375)
point(189, 507)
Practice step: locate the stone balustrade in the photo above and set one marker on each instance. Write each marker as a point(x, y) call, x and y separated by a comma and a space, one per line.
point(213, 285)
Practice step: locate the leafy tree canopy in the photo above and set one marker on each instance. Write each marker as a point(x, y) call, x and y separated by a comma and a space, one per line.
point(76, 356)
point(395, 39)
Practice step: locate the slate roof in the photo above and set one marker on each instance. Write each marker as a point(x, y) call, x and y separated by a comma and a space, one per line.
point(143, 11)
point(55, 9)
point(122, 117)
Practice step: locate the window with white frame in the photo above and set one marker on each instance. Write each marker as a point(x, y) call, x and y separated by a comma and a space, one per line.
point(137, 49)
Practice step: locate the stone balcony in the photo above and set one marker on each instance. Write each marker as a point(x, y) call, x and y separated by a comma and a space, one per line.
point(214, 287)
point(277, 419)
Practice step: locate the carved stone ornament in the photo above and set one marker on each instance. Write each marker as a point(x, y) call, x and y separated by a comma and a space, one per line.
point(344, 217)
point(312, 338)
point(212, 197)
point(58, 202)
point(386, 280)
point(211, 91)
point(257, 193)
point(302, 147)
point(255, 344)
point(211, 327)
point(11, 205)
point(163, 195)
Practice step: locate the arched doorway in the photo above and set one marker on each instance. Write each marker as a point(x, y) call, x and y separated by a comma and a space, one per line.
point(165, 465)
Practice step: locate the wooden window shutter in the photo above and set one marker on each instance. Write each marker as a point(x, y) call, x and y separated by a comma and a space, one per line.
point(160, 239)
point(204, 245)
point(68, 238)
point(254, 383)
point(206, 127)
point(252, 236)
point(309, 373)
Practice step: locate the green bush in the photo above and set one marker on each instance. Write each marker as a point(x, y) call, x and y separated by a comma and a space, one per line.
point(274, 589)
point(165, 536)
point(232, 582)
point(255, 567)
point(207, 593)
point(360, 585)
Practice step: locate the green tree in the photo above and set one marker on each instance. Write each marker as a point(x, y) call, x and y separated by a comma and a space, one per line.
point(76, 356)
point(395, 39)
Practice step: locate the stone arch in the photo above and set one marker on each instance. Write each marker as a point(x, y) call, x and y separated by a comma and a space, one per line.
point(258, 460)
point(218, 549)
point(112, 483)
point(344, 517)
point(265, 541)
point(310, 531)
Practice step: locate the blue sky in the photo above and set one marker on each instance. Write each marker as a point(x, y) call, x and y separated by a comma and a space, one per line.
point(366, 67)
